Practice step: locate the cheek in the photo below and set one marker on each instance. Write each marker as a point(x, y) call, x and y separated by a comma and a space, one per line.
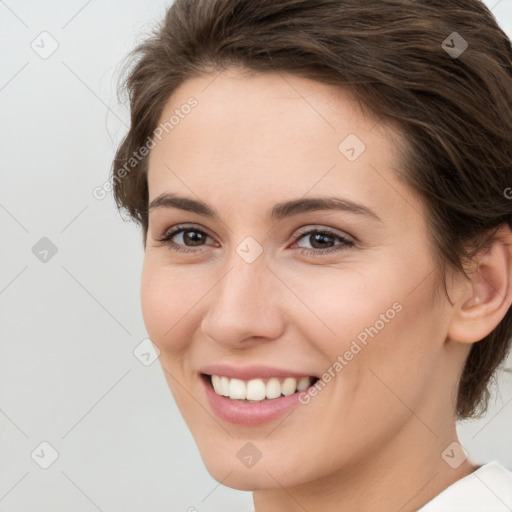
point(165, 302)
point(390, 342)
point(388, 321)
point(345, 304)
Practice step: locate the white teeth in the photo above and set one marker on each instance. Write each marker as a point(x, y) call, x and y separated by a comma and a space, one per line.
point(289, 386)
point(237, 389)
point(256, 390)
point(224, 386)
point(216, 384)
point(273, 388)
point(303, 383)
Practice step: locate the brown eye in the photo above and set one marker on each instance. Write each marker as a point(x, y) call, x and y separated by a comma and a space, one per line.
point(320, 240)
point(184, 238)
point(323, 241)
point(192, 237)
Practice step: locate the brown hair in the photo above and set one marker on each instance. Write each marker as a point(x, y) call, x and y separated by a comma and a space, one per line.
point(397, 57)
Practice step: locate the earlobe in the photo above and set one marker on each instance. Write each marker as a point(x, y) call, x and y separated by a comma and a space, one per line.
point(482, 305)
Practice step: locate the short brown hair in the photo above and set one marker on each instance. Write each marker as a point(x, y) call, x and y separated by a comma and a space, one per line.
point(454, 110)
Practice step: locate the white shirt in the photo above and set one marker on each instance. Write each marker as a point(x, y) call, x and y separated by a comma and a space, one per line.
point(487, 489)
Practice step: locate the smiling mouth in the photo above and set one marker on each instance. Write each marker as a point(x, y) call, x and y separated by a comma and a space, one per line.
point(258, 390)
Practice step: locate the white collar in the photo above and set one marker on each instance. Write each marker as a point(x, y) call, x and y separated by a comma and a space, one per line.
point(487, 489)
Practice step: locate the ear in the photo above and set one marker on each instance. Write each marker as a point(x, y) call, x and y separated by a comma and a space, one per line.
point(483, 301)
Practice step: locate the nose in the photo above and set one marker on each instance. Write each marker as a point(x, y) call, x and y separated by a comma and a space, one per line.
point(246, 306)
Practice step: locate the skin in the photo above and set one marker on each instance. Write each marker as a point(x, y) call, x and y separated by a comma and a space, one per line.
point(373, 438)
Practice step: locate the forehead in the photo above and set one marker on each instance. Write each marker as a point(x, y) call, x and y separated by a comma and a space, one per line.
point(258, 107)
point(255, 135)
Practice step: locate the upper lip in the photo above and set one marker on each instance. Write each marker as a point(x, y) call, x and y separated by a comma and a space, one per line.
point(250, 372)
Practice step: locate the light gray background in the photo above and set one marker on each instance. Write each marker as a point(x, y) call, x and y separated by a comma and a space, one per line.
point(69, 326)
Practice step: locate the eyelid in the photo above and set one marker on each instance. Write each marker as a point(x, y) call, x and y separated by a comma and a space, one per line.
point(324, 229)
point(178, 227)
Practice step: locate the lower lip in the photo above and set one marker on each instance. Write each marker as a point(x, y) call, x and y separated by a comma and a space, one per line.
point(248, 413)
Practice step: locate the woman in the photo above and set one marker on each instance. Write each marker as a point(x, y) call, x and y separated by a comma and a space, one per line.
point(321, 187)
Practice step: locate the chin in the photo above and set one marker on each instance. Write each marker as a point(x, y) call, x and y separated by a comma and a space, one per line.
point(248, 479)
point(224, 462)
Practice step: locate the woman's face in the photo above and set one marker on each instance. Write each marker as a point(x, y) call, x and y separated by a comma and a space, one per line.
point(255, 289)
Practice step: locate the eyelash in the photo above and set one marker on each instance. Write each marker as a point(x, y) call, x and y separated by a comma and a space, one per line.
point(345, 242)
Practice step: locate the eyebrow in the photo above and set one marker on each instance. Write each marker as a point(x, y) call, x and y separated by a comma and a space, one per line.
point(279, 211)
